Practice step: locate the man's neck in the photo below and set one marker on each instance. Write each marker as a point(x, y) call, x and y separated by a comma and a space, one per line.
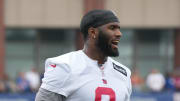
point(95, 54)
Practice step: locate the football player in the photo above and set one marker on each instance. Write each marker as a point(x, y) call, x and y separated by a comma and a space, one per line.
point(89, 74)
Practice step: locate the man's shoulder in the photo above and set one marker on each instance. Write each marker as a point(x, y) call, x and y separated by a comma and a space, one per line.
point(120, 67)
point(65, 58)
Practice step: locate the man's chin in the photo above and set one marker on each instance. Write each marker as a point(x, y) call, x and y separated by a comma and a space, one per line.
point(114, 53)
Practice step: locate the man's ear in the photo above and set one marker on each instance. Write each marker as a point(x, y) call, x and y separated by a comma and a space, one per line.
point(92, 32)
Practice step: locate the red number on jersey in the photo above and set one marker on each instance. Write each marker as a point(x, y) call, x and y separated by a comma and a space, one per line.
point(105, 91)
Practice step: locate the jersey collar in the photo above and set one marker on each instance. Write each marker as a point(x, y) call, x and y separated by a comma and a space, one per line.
point(95, 62)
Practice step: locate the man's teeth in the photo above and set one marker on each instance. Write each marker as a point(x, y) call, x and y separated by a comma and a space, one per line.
point(115, 42)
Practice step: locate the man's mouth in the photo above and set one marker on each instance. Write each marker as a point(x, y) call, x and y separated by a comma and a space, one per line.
point(115, 44)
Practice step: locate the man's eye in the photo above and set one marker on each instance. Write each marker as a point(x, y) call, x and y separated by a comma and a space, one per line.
point(112, 27)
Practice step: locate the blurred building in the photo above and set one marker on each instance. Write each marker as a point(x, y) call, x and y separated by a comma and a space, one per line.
point(32, 30)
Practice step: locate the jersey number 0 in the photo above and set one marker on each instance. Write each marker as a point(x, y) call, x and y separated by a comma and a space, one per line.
point(105, 91)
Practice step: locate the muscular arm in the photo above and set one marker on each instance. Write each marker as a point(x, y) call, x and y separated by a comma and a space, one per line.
point(45, 95)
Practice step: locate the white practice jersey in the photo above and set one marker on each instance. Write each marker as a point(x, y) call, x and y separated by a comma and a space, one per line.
point(79, 78)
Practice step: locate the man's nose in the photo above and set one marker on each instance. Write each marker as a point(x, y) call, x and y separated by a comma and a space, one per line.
point(118, 33)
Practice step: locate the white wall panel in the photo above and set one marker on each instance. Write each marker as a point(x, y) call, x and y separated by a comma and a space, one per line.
point(165, 13)
point(68, 13)
point(43, 13)
point(12, 12)
point(64, 13)
point(146, 13)
point(32, 13)
point(130, 12)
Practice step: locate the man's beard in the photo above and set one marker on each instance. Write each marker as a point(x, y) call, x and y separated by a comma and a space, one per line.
point(104, 45)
